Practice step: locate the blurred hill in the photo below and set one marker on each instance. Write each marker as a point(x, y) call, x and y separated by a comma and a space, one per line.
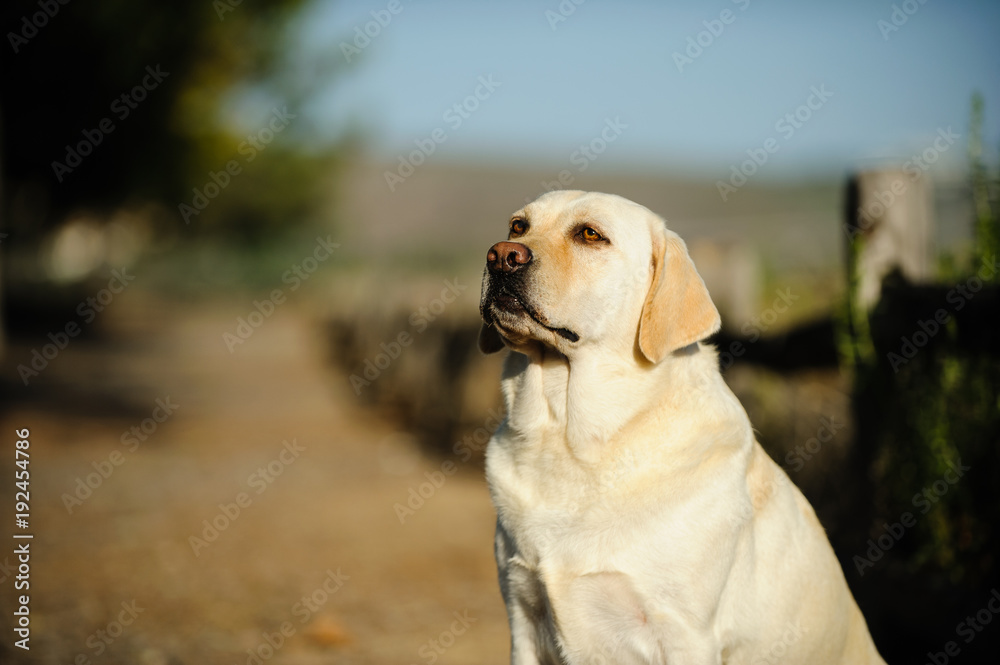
point(462, 208)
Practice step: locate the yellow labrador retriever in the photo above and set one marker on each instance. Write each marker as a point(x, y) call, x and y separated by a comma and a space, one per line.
point(639, 521)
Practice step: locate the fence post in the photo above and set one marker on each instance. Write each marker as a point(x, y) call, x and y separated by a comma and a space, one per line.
point(888, 225)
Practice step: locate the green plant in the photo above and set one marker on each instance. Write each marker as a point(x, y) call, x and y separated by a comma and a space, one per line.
point(924, 412)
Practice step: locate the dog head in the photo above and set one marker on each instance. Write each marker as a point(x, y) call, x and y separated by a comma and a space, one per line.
point(581, 270)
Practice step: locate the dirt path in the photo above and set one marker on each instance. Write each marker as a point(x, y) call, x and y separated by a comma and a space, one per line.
point(316, 550)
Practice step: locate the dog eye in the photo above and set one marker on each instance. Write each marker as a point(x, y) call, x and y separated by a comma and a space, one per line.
point(518, 227)
point(590, 235)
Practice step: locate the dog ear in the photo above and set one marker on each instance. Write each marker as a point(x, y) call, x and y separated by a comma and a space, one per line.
point(678, 310)
point(489, 339)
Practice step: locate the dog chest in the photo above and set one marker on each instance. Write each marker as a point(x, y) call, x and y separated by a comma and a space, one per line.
point(595, 615)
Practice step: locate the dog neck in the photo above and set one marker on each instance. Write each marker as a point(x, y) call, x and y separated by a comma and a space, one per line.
point(588, 400)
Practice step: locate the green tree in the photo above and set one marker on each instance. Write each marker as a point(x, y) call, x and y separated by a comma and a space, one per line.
point(142, 88)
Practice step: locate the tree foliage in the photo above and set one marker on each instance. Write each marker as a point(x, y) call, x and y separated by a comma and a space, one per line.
point(115, 101)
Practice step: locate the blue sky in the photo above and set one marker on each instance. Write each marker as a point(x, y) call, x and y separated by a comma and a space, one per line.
point(886, 93)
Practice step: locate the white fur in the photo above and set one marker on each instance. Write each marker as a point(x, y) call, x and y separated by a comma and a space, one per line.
point(639, 521)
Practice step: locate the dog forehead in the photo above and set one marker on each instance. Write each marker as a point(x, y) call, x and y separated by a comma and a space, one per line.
point(629, 222)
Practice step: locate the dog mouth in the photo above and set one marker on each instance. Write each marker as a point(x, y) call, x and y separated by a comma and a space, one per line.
point(504, 303)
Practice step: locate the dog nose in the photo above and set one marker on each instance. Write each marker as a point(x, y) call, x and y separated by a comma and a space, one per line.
point(507, 257)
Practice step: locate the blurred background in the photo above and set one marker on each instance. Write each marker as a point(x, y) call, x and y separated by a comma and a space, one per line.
point(240, 252)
